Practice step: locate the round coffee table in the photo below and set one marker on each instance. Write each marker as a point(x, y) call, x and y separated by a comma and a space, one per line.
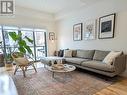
point(66, 68)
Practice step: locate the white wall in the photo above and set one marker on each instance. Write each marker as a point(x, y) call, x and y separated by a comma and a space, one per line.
point(65, 26)
point(65, 36)
point(25, 17)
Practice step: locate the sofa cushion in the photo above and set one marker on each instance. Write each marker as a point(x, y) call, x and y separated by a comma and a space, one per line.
point(100, 55)
point(99, 65)
point(111, 56)
point(61, 53)
point(88, 54)
point(75, 60)
point(67, 53)
point(74, 53)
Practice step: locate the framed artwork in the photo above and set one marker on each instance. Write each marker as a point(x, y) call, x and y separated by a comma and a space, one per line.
point(77, 32)
point(106, 26)
point(90, 29)
point(51, 36)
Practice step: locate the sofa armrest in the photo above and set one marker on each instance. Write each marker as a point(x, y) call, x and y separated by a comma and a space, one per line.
point(120, 64)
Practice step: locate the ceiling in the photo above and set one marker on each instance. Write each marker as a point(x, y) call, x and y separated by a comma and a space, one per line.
point(54, 6)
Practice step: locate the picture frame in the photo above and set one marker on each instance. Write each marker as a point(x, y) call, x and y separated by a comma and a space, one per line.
point(90, 27)
point(51, 36)
point(77, 32)
point(106, 26)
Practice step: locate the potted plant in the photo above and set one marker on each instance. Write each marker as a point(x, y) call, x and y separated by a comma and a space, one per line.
point(20, 42)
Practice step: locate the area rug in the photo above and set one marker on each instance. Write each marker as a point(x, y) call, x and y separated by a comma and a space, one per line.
point(73, 83)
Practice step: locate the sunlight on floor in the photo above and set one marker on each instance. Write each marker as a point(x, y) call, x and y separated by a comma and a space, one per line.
point(5, 69)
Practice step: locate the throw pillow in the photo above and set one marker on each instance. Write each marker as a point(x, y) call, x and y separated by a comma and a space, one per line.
point(74, 53)
point(67, 53)
point(61, 53)
point(111, 56)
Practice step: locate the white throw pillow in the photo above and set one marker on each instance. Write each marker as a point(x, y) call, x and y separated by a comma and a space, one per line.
point(67, 53)
point(111, 56)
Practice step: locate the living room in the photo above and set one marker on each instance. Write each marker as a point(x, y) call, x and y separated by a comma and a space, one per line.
point(52, 27)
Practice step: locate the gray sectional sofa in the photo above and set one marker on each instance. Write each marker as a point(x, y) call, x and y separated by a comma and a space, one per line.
point(92, 60)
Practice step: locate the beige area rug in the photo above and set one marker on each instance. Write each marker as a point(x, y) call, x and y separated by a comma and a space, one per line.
point(74, 83)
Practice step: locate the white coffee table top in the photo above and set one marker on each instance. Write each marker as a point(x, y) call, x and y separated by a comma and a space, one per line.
point(67, 68)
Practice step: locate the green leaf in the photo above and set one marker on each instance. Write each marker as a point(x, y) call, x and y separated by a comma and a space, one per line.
point(22, 49)
point(13, 35)
point(29, 49)
point(29, 40)
point(21, 43)
point(19, 36)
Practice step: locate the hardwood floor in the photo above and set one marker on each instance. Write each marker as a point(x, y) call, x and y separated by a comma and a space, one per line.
point(119, 88)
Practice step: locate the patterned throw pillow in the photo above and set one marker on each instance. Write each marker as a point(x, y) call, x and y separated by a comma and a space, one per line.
point(67, 53)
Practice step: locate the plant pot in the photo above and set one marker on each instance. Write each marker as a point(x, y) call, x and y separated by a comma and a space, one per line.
point(1, 60)
point(9, 66)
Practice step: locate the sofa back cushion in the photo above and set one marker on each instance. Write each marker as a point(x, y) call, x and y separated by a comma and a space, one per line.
point(100, 55)
point(88, 54)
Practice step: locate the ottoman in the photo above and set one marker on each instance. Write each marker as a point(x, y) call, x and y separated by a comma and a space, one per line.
point(48, 61)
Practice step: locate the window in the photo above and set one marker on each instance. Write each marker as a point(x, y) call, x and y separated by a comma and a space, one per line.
point(28, 34)
point(1, 37)
point(40, 41)
point(1, 40)
point(37, 35)
point(8, 40)
point(10, 45)
point(40, 44)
